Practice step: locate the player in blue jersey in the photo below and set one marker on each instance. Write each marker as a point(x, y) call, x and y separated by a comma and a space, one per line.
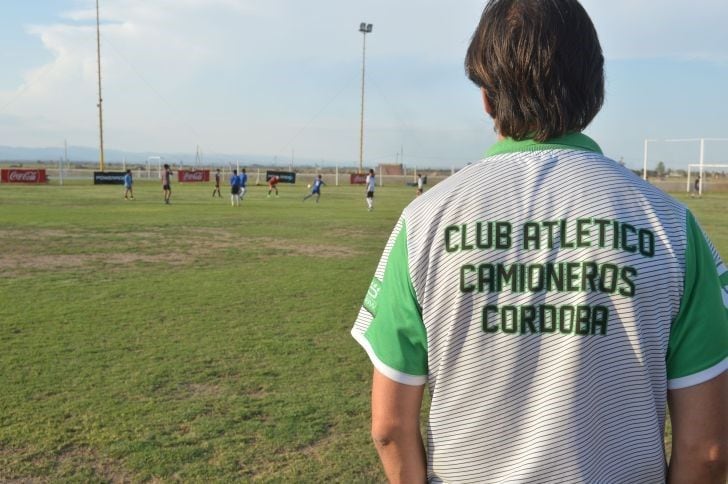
point(315, 189)
point(128, 182)
point(234, 189)
point(243, 178)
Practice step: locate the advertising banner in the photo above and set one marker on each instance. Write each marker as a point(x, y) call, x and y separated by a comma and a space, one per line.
point(22, 175)
point(192, 176)
point(358, 178)
point(109, 177)
point(285, 176)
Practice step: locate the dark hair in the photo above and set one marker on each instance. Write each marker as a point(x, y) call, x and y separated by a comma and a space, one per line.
point(166, 165)
point(540, 65)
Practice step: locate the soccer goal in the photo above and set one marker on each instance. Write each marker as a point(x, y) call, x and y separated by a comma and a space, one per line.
point(150, 162)
point(698, 168)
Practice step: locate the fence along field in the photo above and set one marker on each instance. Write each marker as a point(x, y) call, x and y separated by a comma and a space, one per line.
point(195, 341)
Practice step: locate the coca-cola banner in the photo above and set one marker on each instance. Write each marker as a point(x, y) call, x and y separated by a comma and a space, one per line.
point(186, 176)
point(358, 178)
point(109, 177)
point(23, 175)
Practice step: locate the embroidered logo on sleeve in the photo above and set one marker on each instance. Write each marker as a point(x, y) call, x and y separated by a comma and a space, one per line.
point(370, 301)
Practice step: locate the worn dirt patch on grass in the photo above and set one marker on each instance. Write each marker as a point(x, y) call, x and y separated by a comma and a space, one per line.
point(68, 460)
point(104, 468)
point(308, 250)
point(23, 253)
point(14, 264)
point(203, 390)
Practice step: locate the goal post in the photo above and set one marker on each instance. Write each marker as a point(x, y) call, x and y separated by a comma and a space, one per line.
point(699, 169)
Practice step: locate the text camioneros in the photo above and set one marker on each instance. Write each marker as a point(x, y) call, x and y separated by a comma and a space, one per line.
point(551, 275)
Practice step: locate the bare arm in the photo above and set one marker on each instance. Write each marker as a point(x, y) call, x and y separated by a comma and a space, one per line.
point(699, 416)
point(396, 429)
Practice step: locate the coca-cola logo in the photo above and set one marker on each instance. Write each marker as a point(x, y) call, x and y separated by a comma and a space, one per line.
point(23, 176)
point(193, 176)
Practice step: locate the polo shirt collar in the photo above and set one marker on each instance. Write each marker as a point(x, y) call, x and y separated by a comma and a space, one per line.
point(573, 141)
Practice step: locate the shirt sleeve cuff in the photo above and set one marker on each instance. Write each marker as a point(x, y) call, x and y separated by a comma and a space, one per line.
point(698, 378)
point(388, 371)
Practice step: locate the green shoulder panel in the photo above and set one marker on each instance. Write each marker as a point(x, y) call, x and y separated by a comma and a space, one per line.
point(699, 334)
point(397, 334)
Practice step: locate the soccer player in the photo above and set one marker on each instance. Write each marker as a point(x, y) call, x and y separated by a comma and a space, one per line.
point(128, 182)
point(696, 187)
point(553, 302)
point(218, 176)
point(318, 182)
point(420, 185)
point(273, 184)
point(167, 183)
point(243, 183)
point(235, 189)
point(371, 183)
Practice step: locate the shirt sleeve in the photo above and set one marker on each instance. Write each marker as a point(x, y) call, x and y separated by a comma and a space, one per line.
point(698, 346)
point(389, 326)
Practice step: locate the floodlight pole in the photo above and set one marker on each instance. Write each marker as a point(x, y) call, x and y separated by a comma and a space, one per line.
point(99, 105)
point(365, 29)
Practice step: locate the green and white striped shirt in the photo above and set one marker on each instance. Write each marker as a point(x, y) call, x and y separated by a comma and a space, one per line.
point(549, 298)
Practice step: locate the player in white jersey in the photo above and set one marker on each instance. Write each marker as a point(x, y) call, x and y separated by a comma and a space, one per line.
point(371, 184)
point(552, 302)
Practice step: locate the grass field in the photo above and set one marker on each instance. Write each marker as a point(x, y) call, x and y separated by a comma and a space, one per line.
point(192, 342)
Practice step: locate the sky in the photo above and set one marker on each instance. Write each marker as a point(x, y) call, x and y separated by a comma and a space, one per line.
point(282, 78)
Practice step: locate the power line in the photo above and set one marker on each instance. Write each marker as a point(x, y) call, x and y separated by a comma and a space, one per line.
point(325, 106)
point(171, 107)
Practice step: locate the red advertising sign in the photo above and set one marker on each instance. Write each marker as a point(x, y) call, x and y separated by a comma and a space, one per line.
point(358, 178)
point(20, 175)
point(190, 176)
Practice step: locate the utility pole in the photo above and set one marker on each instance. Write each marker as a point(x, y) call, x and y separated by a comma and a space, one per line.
point(99, 105)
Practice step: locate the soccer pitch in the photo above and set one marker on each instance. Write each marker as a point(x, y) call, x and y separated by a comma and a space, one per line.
point(195, 341)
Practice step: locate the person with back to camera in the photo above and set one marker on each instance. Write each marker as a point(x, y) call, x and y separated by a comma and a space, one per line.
point(555, 304)
point(234, 189)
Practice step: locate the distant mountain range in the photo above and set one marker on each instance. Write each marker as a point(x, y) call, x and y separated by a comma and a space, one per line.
point(85, 154)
